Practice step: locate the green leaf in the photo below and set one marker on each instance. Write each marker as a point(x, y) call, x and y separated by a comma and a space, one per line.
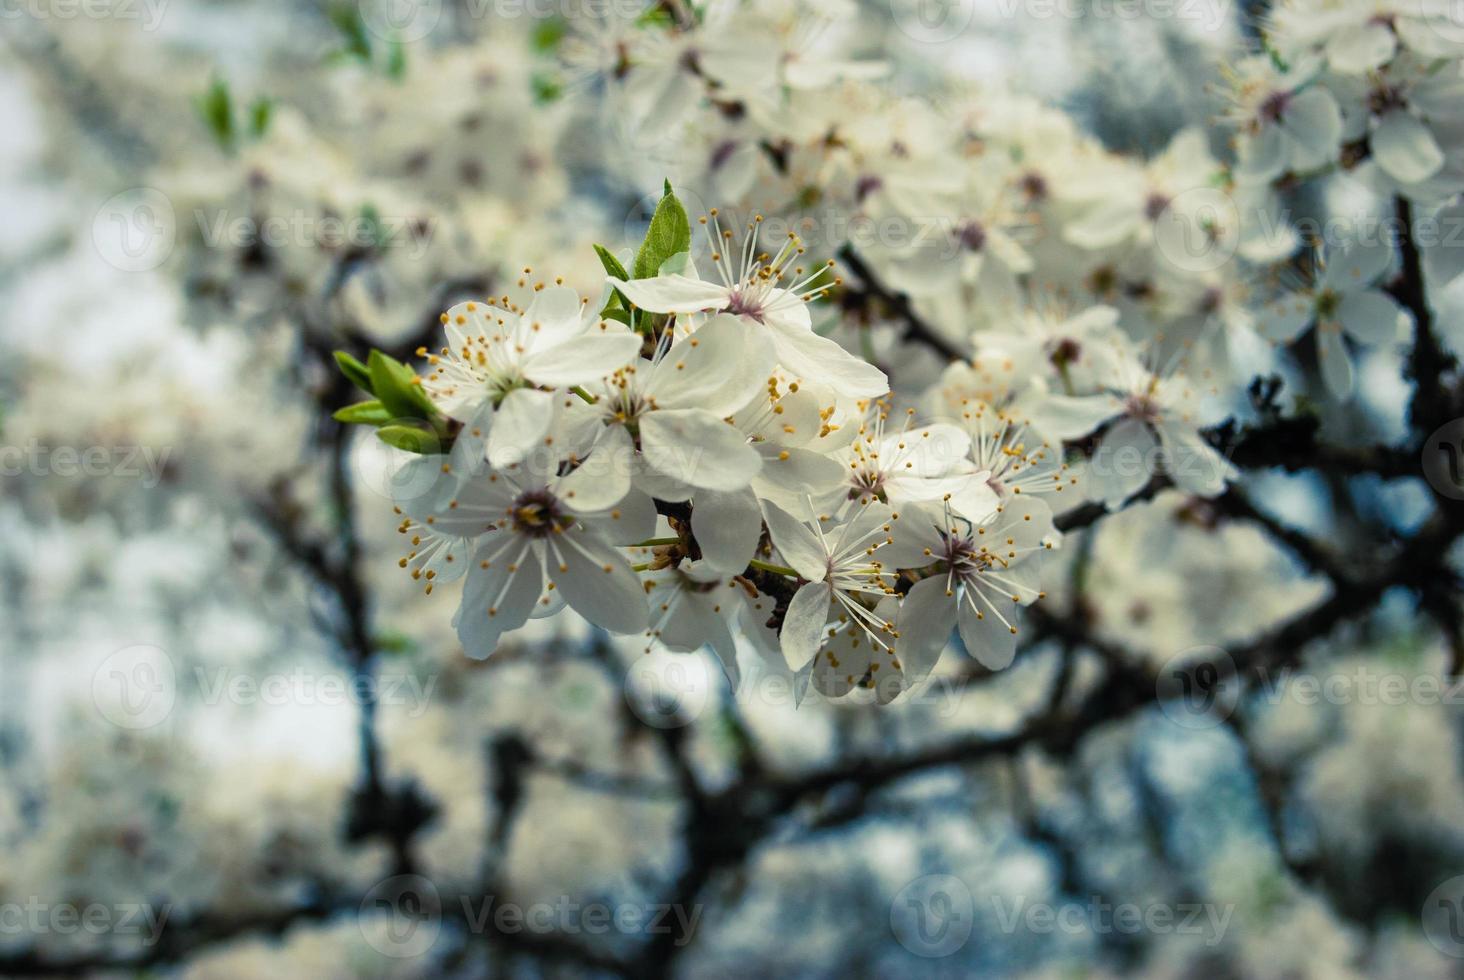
point(611, 263)
point(354, 371)
point(216, 106)
point(617, 314)
point(617, 271)
point(348, 20)
point(546, 87)
point(423, 442)
point(669, 233)
point(260, 112)
point(396, 386)
point(396, 61)
point(548, 33)
point(364, 413)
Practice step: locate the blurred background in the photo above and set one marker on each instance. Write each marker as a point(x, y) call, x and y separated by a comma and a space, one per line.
point(236, 740)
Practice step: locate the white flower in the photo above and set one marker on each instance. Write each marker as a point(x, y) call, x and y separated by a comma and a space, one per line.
point(1286, 121)
point(835, 553)
point(670, 411)
point(497, 355)
point(694, 604)
point(979, 574)
point(1340, 301)
point(1149, 409)
point(1409, 112)
point(910, 464)
point(776, 314)
point(1013, 457)
point(537, 536)
point(785, 427)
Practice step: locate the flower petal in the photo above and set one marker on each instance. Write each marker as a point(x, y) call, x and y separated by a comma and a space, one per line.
point(1405, 148)
point(597, 582)
point(582, 359)
point(696, 447)
point(521, 423)
point(674, 294)
point(803, 625)
point(814, 358)
point(727, 527)
point(1370, 316)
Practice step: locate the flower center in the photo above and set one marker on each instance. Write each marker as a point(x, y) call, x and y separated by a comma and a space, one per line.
point(537, 514)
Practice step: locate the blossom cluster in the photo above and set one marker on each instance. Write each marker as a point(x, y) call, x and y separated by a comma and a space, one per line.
point(701, 454)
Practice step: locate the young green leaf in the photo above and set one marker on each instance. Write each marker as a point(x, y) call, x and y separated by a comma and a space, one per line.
point(364, 413)
point(413, 440)
point(396, 386)
point(670, 232)
point(354, 371)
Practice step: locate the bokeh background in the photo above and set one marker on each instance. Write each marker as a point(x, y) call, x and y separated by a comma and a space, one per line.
point(236, 740)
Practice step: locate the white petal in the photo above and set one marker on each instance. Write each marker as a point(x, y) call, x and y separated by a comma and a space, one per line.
point(1123, 462)
point(557, 310)
point(1359, 48)
point(603, 478)
point(727, 527)
point(1356, 267)
point(583, 359)
point(814, 358)
point(987, 638)
point(1262, 156)
point(520, 426)
point(803, 626)
point(629, 522)
point(1284, 318)
point(1405, 148)
point(1336, 363)
point(1069, 417)
point(1370, 316)
point(698, 448)
point(499, 598)
point(1314, 121)
point(927, 616)
point(1191, 462)
point(673, 294)
point(799, 471)
point(798, 545)
point(597, 582)
point(718, 368)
